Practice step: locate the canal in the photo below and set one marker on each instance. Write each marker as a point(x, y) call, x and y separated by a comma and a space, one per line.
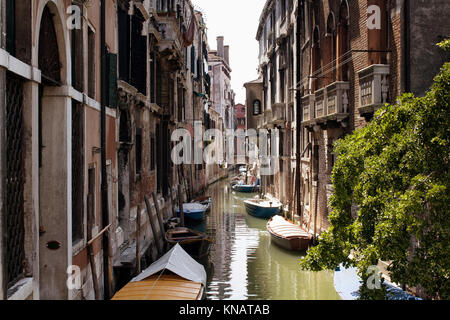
point(243, 265)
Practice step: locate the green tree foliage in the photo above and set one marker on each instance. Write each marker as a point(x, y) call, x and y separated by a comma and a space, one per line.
point(392, 194)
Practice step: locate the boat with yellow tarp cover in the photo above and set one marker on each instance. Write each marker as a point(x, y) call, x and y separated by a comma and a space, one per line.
point(176, 276)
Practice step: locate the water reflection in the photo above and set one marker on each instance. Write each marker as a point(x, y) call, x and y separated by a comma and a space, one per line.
point(243, 264)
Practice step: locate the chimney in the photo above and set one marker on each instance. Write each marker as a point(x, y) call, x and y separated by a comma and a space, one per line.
point(220, 46)
point(226, 54)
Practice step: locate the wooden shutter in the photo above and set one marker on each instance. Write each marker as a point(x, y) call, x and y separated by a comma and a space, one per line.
point(112, 79)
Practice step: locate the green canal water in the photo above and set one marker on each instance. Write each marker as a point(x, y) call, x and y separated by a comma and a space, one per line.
point(244, 265)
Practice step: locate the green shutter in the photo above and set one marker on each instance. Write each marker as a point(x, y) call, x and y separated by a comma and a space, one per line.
point(193, 60)
point(112, 80)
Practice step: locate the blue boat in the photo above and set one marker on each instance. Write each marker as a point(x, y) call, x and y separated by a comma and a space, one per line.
point(194, 211)
point(246, 188)
point(261, 208)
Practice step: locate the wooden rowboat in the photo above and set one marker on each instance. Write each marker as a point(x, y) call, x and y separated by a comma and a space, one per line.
point(176, 276)
point(196, 244)
point(288, 235)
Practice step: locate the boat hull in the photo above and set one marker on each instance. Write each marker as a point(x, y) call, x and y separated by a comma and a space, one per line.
point(296, 244)
point(195, 214)
point(246, 188)
point(288, 235)
point(196, 244)
point(261, 212)
point(163, 287)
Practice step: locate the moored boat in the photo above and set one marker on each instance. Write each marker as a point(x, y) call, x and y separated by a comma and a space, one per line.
point(194, 211)
point(246, 188)
point(206, 201)
point(262, 208)
point(288, 235)
point(196, 243)
point(176, 276)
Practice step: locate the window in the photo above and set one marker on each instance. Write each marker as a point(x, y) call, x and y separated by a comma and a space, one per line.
point(343, 42)
point(14, 181)
point(282, 85)
point(78, 168)
point(138, 76)
point(91, 63)
point(273, 79)
point(77, 59)
point(316, 59)
point(306, 19)
point(124, 41)
point(331, 47)
point(138, 152)
point(11, 27)
point(193, 62)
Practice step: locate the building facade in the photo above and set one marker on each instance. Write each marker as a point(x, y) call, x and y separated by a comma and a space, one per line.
point(357, 56)
point(325, 67)
point(271, 98)
point(90, 94)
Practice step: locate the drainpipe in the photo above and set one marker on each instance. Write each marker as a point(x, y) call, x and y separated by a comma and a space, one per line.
point(104, 185)
point(299, 112)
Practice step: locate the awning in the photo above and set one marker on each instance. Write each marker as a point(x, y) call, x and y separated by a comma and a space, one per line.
point(201, 95)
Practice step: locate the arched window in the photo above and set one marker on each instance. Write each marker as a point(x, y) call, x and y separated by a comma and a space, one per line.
point(316, 59)
point(256, 107)
point(343, 41)
point(49, 61)
point(331, 49)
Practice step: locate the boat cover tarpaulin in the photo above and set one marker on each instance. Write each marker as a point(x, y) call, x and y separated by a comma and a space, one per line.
point(179, 262)
point(284, 228)
point(193, 207)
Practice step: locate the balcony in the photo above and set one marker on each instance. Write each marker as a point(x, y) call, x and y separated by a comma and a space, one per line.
point(337, 101)
point(329, 106)
point(374, 88)
point(278, 114)
point(320, 103)
point(308, 108)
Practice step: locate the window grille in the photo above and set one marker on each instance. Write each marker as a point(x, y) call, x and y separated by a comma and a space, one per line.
point(14, 180)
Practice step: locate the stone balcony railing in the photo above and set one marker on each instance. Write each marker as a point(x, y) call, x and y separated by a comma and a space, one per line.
point(329, 104)
point(308, 107)
point(337, 100)
point(319, 104)
point(278, 113)
point(373, 88)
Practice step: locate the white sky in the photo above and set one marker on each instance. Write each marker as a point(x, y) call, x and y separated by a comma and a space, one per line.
point(237, 21)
